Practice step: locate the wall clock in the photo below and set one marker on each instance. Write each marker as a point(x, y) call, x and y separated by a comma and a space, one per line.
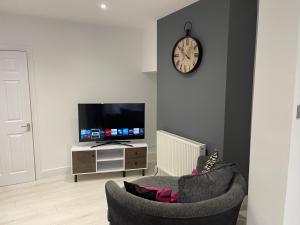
point(187, 52)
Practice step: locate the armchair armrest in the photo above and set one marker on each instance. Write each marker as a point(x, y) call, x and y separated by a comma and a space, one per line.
point(124, 201)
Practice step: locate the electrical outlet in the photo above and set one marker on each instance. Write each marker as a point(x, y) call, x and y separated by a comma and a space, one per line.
point(298, 112)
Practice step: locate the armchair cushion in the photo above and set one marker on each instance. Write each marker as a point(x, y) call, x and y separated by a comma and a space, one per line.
point(204, 186)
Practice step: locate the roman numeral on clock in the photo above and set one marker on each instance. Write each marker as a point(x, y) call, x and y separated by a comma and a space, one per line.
point(187, 41)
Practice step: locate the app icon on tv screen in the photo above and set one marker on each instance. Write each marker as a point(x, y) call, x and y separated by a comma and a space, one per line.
point(95, 133)
point(120, 133)
point(136, 131)
point(85, 134)
point(130, 131)
point(114, 132)
point(125, 131)
point(107, 132)
point(102, 133)
point(141, 131)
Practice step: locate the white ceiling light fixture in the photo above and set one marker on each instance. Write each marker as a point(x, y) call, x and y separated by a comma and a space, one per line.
point(102, 5)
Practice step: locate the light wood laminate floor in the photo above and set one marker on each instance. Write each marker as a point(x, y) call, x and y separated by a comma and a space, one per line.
point(59, 201)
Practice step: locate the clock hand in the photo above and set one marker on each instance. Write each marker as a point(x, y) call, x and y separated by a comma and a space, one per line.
point(182, 50)
point(187, 56)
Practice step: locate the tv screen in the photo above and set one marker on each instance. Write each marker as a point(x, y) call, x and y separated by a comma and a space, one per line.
point(103, 122)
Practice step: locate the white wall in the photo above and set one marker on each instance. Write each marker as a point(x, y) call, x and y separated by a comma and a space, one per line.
point(149, 43)
point(72, 63)
point(292, 204)
point(273, 111)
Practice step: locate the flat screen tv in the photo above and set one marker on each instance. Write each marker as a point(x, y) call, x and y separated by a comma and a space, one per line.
point(106, 122)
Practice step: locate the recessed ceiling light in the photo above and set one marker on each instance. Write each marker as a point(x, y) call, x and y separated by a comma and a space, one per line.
point(102, 5)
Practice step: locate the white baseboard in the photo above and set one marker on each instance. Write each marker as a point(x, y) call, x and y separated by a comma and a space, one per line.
point(66, 170)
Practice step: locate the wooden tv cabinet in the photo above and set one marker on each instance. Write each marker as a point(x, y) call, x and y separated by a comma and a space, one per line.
point(108, 158)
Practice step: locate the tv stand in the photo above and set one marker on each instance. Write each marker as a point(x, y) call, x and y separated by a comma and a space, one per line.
point(125, 143)
point(112, 157)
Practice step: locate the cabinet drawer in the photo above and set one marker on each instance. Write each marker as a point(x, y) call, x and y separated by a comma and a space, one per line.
point(133, 153)
point(136, 163)
point(84, 162)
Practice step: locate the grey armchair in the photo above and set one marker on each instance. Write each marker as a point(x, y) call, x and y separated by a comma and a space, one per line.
point(127, 209)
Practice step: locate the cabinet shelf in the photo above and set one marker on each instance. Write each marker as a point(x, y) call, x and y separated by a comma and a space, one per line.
point(110, 170)
point(110, 159)
point(110, 166)
point(111, 155)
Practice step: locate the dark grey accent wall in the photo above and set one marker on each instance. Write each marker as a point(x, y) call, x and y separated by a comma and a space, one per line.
point(239, 84)
point(193, 105)
point(204, 105)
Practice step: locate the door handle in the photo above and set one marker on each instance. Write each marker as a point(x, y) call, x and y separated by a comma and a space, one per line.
point(27, 126)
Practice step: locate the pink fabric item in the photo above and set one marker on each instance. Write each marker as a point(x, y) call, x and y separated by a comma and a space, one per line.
point(195, 172)
point(174, 198)
point(163, 194)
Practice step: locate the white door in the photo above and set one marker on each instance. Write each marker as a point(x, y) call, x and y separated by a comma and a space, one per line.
point(16, 144)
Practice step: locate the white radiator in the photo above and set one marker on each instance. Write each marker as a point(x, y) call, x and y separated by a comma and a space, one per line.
point(177, 155)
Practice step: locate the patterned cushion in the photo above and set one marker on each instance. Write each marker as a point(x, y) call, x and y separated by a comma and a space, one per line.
point(196, 188)
point(201, 162)
point(211, 162)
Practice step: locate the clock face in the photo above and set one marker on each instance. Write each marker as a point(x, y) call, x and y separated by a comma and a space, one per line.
point(187, 55)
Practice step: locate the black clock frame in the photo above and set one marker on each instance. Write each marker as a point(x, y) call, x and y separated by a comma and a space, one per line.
point(199, 57)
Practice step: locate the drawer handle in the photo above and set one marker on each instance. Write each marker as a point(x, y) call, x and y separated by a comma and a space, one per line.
point(136, 153)
point(93, 156)
point(135, 163)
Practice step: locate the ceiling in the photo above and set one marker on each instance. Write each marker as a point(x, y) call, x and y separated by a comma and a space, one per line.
point(126, 13)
